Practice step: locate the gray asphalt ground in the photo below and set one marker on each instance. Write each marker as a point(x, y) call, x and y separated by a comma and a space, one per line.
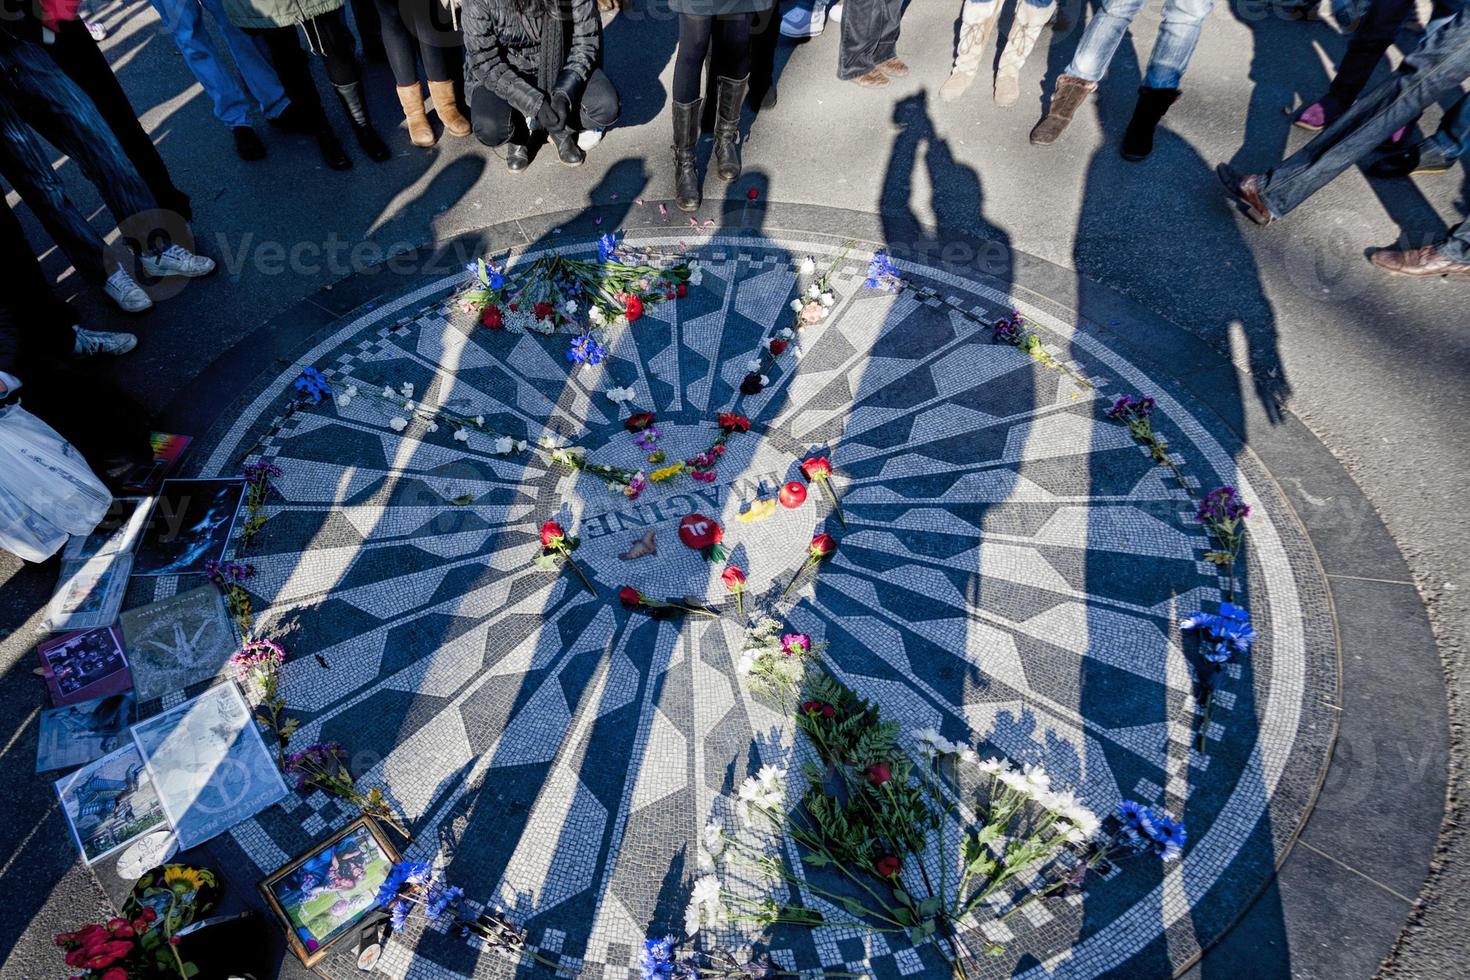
point(1371, 363)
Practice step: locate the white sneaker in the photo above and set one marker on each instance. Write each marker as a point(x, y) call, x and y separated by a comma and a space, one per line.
point(588, 138)
point(835, 14)
point(176, 260)
point(93, 342)
point(802, 22)
point(127, 294)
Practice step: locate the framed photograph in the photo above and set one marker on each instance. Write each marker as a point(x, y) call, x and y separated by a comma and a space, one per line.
point(84, 664)
point(209, 764)
point(110, 803)
point(189, 525)
point(325, 893)
point(84, 732)
point(115, 534)
point(89, 593)
point(175, 642)
point(148, 477)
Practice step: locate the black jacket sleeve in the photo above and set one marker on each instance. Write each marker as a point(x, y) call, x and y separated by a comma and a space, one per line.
point(485, 62)
point(586, 49)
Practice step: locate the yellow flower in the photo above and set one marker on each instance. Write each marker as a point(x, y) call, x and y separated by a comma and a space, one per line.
point(659, 476)
point(176, 875)
point(759, 510)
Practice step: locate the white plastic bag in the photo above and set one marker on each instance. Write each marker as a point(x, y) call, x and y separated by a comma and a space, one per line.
point(47, 490)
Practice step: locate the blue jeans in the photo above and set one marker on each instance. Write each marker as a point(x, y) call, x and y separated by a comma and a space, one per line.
point(35, 94)
point(1178, 35)
point(1434, 68)
point(184, 19)
point(1452, 138)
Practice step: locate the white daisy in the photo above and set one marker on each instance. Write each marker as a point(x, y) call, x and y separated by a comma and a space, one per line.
point(808, 266)
point(398, 424)
point(462, 435)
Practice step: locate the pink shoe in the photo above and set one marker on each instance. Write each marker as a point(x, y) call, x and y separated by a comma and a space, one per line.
point(1312, 118)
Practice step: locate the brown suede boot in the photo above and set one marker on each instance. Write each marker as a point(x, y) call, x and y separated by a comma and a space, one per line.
point(455, 124)
point(1071, 92)
point(411, 97)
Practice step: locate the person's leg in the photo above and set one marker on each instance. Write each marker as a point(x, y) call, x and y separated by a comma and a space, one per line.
point(599, 106)
point(48, 321)
point(731, 65)
point(1178, 35)
point(694, 44)
point(1452, 139)
point(977, 17)
point(1456, 247)
point(866, 25)
point(439, 45)
point(1381, 23)
point(886, 47)
point(184, 19)
point(1031, 17)
point(27, 169)
point(260, 78)
point(306, 115)
point(79, 57)
point(329, 36)
point(398, 43)
point(695, 32)
point(1437, 66)
point(1101, 38)
point(492, 117)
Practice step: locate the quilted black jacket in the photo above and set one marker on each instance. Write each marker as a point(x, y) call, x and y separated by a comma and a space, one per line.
point(502, 52)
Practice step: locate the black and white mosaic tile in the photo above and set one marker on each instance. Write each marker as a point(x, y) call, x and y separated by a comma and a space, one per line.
point(1012, 572)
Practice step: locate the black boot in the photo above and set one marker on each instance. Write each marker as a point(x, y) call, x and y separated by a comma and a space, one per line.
point(1138, 140)
point(727, 126)
point(362, 126)
point(332, 153)
point(567, 150)
point(517, 156)
point(686, 135)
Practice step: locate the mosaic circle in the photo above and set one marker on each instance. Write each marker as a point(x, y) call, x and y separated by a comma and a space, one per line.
point(1012, 571)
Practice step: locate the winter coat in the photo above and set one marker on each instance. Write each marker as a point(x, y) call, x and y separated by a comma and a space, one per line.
point(503, 53)
point(712, 8)
point(276, 13)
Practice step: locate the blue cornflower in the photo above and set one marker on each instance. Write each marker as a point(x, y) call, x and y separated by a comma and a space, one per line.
point(312, 385)
point(657, 959)
point(1224, 634)
point(1132, 814)
point(607, 246)
point(400, 876)
point(398, 915)
point(586, 350)
point(881, 273)
point(1168, 837)
point(443, 900)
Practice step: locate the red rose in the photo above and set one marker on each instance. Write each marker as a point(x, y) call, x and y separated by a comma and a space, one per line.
point(552, 534)
point(632, 307)
point(879, 773)
point(123, 931)
point(818, 708)
point(515, 307)
point(75, 957)
point(700, 532)
point(778, 347)
point(792, 495)
point(823, 545)
point(682, 290)
point(733, 578)
point(140, 924)
point(639, 422)
point(734, 422)
point(118, 949)
point(816, 468)
point(888, 866)
point(751, 384)
point(149, 914)
point(116, 973)
point(543, 310)
point(752, 194)
point(112, 924)
point(490, 317)
point(630, 597)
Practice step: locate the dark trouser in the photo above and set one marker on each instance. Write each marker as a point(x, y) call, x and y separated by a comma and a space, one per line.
point(1437, 66)
point(33, 322)
point(728, 35)
point(869, 35)
point(1370, 42)
point(419, 29)
point(1457, 245)
point(329, 37)
point(83, 62)
point(497, 122)
point(36, 97)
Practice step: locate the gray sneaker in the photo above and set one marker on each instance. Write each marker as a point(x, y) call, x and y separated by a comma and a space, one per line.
point(127, 294)
point(90, 343)
point(176, 260)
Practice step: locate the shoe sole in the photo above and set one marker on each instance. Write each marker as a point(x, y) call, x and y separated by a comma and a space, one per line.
point(1307, 126)
point(1429, 170)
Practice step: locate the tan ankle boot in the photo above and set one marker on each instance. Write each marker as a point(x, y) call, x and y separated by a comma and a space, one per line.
point(455, 124)
point(411, 97)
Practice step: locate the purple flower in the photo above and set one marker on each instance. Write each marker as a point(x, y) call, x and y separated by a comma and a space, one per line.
point(1222, 506)
point(1010, 330)
point(1130, 409)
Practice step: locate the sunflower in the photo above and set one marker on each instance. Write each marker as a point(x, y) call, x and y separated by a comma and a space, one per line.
point(183, 879)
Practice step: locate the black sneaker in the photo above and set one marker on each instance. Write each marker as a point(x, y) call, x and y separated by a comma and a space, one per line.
point(1405, 163)
point(247, 144)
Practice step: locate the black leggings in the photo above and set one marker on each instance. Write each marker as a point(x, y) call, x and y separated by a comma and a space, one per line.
point(328, 36)
point(731, 55)
point(419, 29)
